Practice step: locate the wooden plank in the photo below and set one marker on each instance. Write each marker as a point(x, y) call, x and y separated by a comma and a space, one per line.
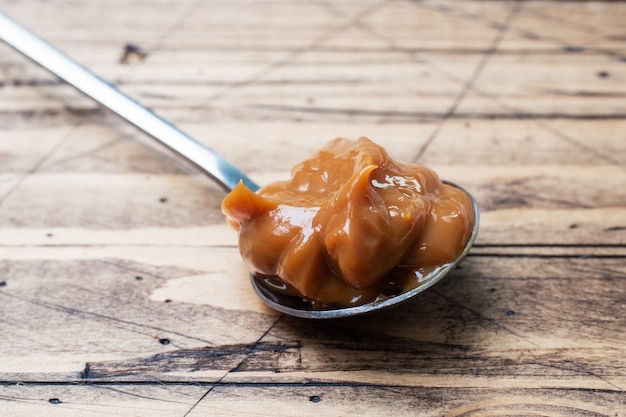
point(543, 205)
point(305, 400)
point(495, 188)
point(536, 229)
point(493, 310)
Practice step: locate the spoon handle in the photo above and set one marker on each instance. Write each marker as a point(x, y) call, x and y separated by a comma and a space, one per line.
point(64, 67)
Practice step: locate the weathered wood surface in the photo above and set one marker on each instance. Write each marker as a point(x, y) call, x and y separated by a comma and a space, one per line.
point(121, 289)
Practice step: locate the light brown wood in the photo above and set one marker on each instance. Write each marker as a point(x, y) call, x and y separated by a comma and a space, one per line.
point(121, 288)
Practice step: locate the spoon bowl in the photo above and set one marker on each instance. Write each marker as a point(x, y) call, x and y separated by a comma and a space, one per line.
point(301, 307)
point(216, 167)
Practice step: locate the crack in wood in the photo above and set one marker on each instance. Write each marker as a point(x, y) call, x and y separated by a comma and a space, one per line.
point(433, 116)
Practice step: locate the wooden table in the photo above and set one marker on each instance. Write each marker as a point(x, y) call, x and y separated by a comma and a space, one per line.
point(121, 288)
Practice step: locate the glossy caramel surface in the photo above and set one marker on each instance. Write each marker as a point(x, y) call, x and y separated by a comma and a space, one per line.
point(351, 224)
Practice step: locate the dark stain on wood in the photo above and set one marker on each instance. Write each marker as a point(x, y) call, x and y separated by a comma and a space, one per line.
point(32, 82)
point(48, 116)
point(263, 355)
point(132, 54)
point(573, 49)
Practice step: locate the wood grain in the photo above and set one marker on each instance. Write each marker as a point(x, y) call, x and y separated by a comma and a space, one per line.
point(122, 291)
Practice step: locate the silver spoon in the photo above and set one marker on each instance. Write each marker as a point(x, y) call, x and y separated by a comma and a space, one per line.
point(216, 167)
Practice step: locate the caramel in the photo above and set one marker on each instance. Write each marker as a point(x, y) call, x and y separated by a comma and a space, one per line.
point(350, 225)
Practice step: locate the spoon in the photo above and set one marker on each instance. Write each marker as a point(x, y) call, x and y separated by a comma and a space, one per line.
point(216, 167)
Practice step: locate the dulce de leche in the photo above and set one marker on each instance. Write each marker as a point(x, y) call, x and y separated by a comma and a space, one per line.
point(350, 225)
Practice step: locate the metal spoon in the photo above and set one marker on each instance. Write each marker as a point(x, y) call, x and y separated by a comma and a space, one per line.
point(220, 170)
